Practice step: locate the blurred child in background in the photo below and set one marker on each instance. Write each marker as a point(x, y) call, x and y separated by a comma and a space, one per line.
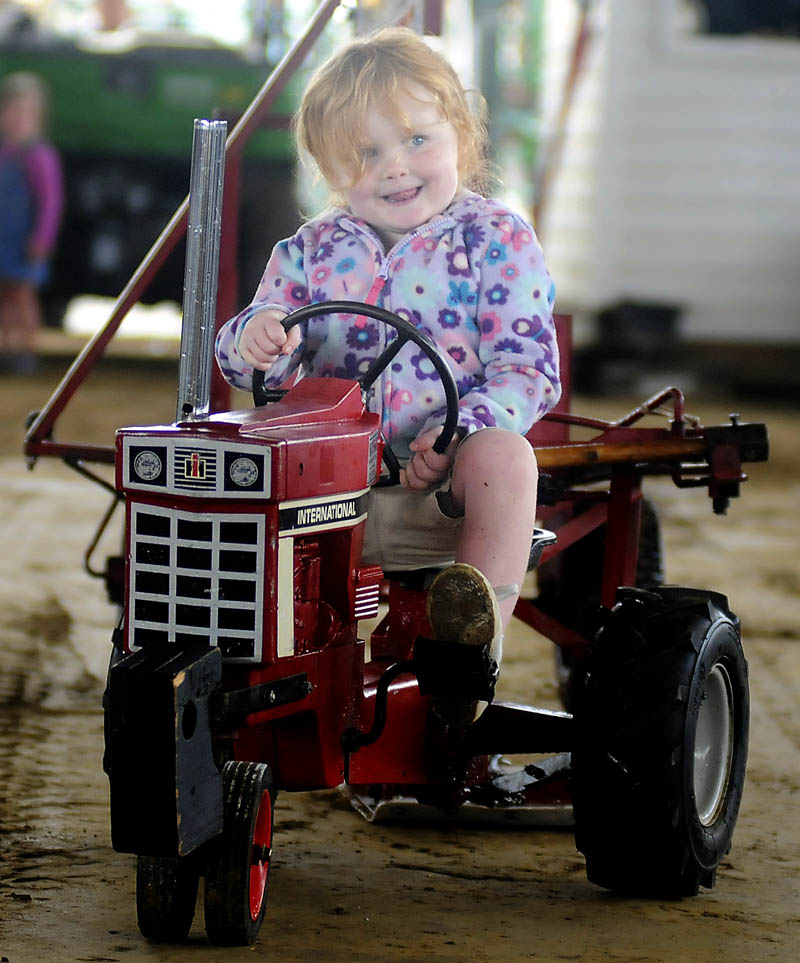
point(31, 199)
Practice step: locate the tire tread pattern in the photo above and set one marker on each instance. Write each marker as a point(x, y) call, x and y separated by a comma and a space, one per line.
point(166, 896)
point(632, 801)
point(227, 891)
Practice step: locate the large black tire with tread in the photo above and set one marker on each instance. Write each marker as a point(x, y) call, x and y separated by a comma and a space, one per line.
point(569, 588)
point(661, 732)
point(166, 896)
point(237, 872)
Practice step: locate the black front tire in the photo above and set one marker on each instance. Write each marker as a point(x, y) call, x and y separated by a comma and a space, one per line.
point(237, 873)
point(166, 896)
point(658, 766)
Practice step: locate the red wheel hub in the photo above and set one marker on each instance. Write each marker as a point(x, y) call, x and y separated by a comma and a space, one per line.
point(261, 852)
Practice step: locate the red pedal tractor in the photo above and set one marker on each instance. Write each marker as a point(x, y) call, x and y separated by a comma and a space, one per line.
point(239, 670)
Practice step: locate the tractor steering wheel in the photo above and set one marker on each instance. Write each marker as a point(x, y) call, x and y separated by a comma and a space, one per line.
point(406, 332)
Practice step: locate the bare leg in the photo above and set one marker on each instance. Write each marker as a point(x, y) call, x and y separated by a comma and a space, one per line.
point(5, 315)
point(494, 479)
point(21, 316)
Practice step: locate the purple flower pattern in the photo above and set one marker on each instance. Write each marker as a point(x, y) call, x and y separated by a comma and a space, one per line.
point(474, 236)
point(509, 344)
point(362, 337)
point(449, 318)
point(473, 279)
point(458, 262)
point(423, 368)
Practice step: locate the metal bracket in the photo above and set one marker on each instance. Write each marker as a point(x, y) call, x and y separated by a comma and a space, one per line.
point(230, 709)
point(353, 739)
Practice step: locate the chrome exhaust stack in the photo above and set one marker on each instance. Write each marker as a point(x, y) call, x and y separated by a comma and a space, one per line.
point(202, 270)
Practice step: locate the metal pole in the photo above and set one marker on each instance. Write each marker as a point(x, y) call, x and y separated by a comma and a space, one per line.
point(202, 269)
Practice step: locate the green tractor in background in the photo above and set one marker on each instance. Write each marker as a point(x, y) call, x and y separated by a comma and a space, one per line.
point(119, 115)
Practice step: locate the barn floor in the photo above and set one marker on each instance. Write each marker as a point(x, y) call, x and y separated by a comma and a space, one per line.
point(343, 889)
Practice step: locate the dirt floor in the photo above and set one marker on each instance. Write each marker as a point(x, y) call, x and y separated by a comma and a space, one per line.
point(343, 889)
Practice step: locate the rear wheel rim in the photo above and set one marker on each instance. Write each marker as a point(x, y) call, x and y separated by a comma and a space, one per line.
point(713, 749)
point(260, 854)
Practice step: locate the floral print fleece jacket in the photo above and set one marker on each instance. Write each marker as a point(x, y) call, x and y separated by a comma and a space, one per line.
point(472, 278)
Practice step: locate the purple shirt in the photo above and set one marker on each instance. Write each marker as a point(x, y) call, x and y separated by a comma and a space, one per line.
point(42, 167)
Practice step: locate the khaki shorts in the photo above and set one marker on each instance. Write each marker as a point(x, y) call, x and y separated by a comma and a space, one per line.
point(407, 530)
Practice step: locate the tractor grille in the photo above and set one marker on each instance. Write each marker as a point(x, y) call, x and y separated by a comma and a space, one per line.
point(196, 576)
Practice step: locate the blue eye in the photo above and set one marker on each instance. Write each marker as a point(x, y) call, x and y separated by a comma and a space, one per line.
point(369, 153)
point(417, 140)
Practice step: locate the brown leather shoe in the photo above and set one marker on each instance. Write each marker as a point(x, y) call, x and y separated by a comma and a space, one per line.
point(462, 607)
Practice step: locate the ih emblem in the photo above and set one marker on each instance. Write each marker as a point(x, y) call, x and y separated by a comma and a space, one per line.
point(195, 468)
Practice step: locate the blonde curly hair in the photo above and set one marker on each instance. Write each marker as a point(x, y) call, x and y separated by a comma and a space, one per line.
point(367, 73)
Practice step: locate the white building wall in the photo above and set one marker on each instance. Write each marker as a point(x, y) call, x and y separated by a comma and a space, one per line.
point(680, 177)
point(571, 213)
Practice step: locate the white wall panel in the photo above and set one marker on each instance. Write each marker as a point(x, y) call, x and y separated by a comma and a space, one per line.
point(680, 174)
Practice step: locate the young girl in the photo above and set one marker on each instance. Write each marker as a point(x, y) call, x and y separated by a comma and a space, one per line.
point(389, 126)
point(30, 199)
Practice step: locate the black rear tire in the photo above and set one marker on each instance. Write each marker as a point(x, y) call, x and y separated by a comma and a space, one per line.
point(166, 895)
point(569, 589)
point(237, 872)
point(661, 732)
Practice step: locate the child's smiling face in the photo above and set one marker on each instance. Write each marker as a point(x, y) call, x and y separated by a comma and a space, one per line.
point(410, 175)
